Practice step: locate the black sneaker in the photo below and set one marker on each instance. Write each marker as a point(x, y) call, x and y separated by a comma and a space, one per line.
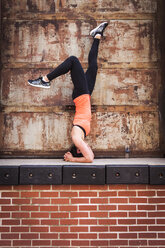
point(99, 29)
point(39, 83)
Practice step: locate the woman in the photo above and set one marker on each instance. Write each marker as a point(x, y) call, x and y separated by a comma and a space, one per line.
point(83, 87)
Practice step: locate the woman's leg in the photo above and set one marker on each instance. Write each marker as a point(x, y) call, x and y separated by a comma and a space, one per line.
point(92, 65)
point(73, 65)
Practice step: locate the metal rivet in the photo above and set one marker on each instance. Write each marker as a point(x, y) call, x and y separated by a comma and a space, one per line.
point(117, 174)
point(74, 175)
point(30, 174)
point(94, 175)
point(161, 175)
point(137, 174)
point(7, 175)
point(50, 175)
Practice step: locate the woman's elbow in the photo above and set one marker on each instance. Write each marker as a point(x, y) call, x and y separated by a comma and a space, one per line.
point(90, 159)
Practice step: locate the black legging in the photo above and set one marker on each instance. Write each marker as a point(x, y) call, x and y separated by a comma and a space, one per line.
point(83, 82)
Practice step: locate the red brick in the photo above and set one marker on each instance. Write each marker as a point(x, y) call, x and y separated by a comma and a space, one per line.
point(137, 228)
point(137, 186)
point(68, 194)
point(30, 222)
point(156, 228)
point(4, 215)
point(80, 243)
point(4, 229)
point(30, 236)
point(161, 221)
point(98, 187)
point(41, 187)
point(68, 222)
point(60, 201)
point(20, 215)
point(61, 187)
point(156, 200)
point(118, 228)
point(87, 207)
point(49, 208)
point(60, 215)
point(10, 208)
point(39, 229)
point(99, 229)
point(146, 207)
point(107, 221)
point(5, 187)
point(79, 201)
point(88, 222)
point(161, 235)
point(59, 229)
point(161, 193)
point(79, 229)
point(146, 221)
point(87, 194)
point(10, 194)
point(99, 243)
point(50, 222)
point(127, 207)
point(19, 229)
point(4, 243)
point(68, 236)
point(99, 200)
point(117, 187)
point(156, 214)
point(68, 208)
point(127, 193)
point(127, 235)
point(80, 187)
point(39, 214)
point(61, 243)
point(29, 194)
point(20, 201)
point(4, 201)
point(22, 242)
point(107, 207)
point(107, 236)
point(138, 242)
point(99, 214)
point(118, 242)
point(49, 194)
point(41, 242)
point(156, 242)
point(22, 187)
point(107, 194)
point(126, 221)
point(146, 193)
point(160, 207)
point(40, 201)
point(49, 236)
point(10, 222)
point(118, 214)
point(147, 235)
point(79, 215)
point(87, 236)
point(29, 208)
point(119, 200)
point(138, 200)
point(137, 214)
point(10, 236)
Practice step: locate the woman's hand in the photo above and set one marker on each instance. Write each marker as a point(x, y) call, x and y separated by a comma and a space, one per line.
point(68, 157)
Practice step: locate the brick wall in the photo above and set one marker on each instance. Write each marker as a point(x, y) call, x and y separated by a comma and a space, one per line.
point(82, 216)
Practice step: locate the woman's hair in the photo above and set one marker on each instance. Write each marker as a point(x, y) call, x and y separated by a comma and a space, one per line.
point(74, 152)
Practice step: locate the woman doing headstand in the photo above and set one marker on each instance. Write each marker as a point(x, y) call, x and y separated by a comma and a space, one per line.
point(83, 87)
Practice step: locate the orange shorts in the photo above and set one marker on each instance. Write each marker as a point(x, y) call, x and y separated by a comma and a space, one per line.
point(83, 112)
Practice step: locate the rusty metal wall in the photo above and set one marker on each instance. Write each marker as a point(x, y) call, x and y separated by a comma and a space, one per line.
point(40, 34)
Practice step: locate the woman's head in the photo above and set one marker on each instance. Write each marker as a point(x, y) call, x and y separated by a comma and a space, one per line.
point(75, 151)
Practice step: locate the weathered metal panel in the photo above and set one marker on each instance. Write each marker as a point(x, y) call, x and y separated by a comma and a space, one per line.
point(51, 40)
point(110, 131)
point(13, 7)
point(113, 87)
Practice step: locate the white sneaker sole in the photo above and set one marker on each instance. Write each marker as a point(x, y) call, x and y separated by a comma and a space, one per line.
point(39, 86)
point(95, 29)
